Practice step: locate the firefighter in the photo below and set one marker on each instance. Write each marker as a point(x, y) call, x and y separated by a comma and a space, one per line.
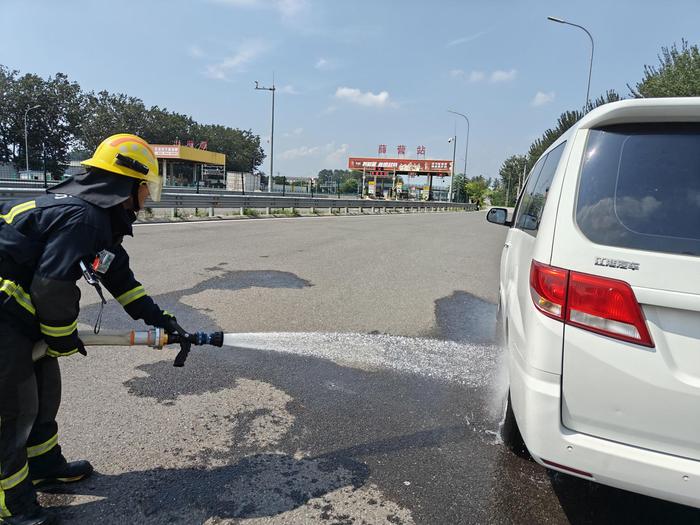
point(43, 242)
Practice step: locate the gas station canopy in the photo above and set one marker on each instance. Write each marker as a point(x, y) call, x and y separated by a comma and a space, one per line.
point(175, 152)
point(381, 166)
point(188, 166)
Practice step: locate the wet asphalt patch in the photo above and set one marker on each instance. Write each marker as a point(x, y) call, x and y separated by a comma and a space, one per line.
point(114, 316)
point(375, 429)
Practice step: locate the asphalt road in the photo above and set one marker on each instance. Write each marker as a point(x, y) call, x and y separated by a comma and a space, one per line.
point(364, 390)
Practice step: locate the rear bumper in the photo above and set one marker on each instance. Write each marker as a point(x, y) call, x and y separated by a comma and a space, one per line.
point(536, 399)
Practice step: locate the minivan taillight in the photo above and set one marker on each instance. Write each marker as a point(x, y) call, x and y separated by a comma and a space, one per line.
point(598, 304)
point(548, 289)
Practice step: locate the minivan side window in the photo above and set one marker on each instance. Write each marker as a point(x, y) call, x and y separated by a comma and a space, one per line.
point(536, 190)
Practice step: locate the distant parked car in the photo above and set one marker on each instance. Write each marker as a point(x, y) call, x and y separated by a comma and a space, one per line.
point(599, 301)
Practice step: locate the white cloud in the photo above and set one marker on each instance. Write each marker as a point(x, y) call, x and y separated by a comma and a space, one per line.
point(368, 98)
point(303, 151)
point(472, 77)
point(195, 51)
point(337, 154)
point(329, 110)
point(476, 76)
point(541, 98)
point(283, 7)
point(294, 133)
point(291, 7)
point(288, 89)
point(236, 63)
point(325, 64)
point(465, 39)
point(502, 76)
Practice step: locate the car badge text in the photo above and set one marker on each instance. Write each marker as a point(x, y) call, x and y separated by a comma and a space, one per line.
point(616, 263)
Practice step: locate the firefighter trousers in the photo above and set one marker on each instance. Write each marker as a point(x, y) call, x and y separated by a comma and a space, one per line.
point(30, 394)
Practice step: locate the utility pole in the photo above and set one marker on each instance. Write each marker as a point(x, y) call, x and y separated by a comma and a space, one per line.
point(507, 190)
point(26, 142)
point(466, 147)
point(453, 140)
point(272, 134)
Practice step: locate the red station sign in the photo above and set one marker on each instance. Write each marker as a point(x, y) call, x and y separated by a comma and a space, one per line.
point(438, 168)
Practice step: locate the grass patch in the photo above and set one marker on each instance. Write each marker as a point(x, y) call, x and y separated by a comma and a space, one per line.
point(286, 212)
point(251, 212)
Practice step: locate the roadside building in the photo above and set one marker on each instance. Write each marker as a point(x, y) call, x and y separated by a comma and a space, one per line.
point(244, 182)
point(190, 167)
point(382, 177)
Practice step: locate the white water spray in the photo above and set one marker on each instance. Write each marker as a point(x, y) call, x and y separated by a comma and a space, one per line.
point(464, 363)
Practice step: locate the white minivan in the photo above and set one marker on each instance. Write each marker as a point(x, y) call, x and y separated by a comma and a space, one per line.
point(599, 300)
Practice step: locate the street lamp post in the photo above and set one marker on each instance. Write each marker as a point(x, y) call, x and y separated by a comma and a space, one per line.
point(272, 133)
point(26, 141)
point(590, 64)
point(453, 140)
point(466, 147)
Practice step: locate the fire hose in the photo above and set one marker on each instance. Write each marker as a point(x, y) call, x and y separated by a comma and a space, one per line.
point(154, 338)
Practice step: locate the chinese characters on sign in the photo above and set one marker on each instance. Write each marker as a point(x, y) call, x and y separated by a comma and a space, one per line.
point(438, 168)
point(166, 151)
point(401, 150)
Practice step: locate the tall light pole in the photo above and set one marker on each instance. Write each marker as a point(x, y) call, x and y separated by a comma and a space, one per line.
point(466, 148)
point(26, 142)
point(590, 64)
point(453, 140)
point(272, 134)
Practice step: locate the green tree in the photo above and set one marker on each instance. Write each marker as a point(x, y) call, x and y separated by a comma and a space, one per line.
point(349, 185)
point(497, 193)
point(677, 75)
point(458, 186)
point(477, 189)
point(241, 147)
point(50, 127)
point(512, 175)
point(8, 144)
point(325, 176)
point(564, 122)
point(161, 126)
point(105, 114)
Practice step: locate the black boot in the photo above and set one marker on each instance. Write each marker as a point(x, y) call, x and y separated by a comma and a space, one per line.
point(65, 472)
point(34, 516)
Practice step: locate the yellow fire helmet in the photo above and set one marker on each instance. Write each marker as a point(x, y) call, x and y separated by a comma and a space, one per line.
point(130, 156)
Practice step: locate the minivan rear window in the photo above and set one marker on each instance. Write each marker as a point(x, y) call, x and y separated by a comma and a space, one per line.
point(640, 188)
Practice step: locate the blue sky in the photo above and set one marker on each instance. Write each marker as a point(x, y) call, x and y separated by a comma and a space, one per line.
point(351, 74)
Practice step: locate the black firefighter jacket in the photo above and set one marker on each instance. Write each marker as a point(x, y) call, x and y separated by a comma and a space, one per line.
point(42, 242)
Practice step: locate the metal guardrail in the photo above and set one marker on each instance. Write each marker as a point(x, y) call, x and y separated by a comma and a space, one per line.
point(39, 185)
point(231, 201)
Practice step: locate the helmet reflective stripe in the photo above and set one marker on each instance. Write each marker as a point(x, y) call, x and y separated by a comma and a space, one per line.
point(130, 156)
point(134, 138)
